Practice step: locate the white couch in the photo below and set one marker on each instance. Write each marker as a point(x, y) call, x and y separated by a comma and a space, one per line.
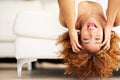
point(37, 33)
point(8, 11)
point(32, 38)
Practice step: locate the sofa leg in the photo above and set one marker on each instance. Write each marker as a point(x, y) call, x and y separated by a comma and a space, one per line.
point(29, 66)
point(19, 68)
point(21, 62)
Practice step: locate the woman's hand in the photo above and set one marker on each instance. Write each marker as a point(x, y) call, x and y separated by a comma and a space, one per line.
point(76, 47)
point(107, 36)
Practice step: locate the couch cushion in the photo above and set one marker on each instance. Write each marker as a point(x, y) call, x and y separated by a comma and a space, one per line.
point(36, 48)
point(7, 49)
point(8, 11)
point(38, 24)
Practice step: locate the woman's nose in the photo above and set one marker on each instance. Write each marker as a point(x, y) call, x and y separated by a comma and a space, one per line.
point(92, 32)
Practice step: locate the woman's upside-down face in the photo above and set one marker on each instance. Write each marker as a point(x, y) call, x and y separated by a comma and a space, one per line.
point(91, 35)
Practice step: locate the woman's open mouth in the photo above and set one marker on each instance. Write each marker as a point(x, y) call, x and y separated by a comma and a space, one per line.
point(91, 26)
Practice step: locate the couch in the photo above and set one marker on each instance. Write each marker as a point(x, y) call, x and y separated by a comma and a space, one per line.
point(29, 17)
point(8, 12)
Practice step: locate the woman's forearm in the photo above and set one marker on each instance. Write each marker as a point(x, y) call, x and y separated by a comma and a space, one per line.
point(67, 8)
point(112, 11)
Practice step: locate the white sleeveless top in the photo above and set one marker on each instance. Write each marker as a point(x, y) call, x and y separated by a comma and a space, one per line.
point(103, 3)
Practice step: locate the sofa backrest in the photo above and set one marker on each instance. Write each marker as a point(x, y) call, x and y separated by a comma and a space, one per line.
point(8, 11)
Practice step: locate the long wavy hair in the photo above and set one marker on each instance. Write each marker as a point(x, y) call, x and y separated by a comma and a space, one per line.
point(85, 64)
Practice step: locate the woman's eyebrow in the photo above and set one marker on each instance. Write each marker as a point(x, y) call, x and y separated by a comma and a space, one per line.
point(97, 42)
point(86, 39)
point(97, 38)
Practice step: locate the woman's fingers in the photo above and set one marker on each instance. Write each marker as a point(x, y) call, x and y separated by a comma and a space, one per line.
point(106, 46)
point(104, 43)
point(79, 46)
point(76, 47)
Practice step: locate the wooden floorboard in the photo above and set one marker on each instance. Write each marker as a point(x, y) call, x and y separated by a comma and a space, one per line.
point(43, 71)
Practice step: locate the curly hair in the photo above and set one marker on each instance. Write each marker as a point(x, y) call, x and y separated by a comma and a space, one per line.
point(84, 64)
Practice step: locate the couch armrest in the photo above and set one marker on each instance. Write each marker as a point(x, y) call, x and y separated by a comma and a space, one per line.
point(37, 24)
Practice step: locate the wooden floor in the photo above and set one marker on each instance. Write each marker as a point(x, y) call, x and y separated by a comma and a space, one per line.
point(44, 71)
